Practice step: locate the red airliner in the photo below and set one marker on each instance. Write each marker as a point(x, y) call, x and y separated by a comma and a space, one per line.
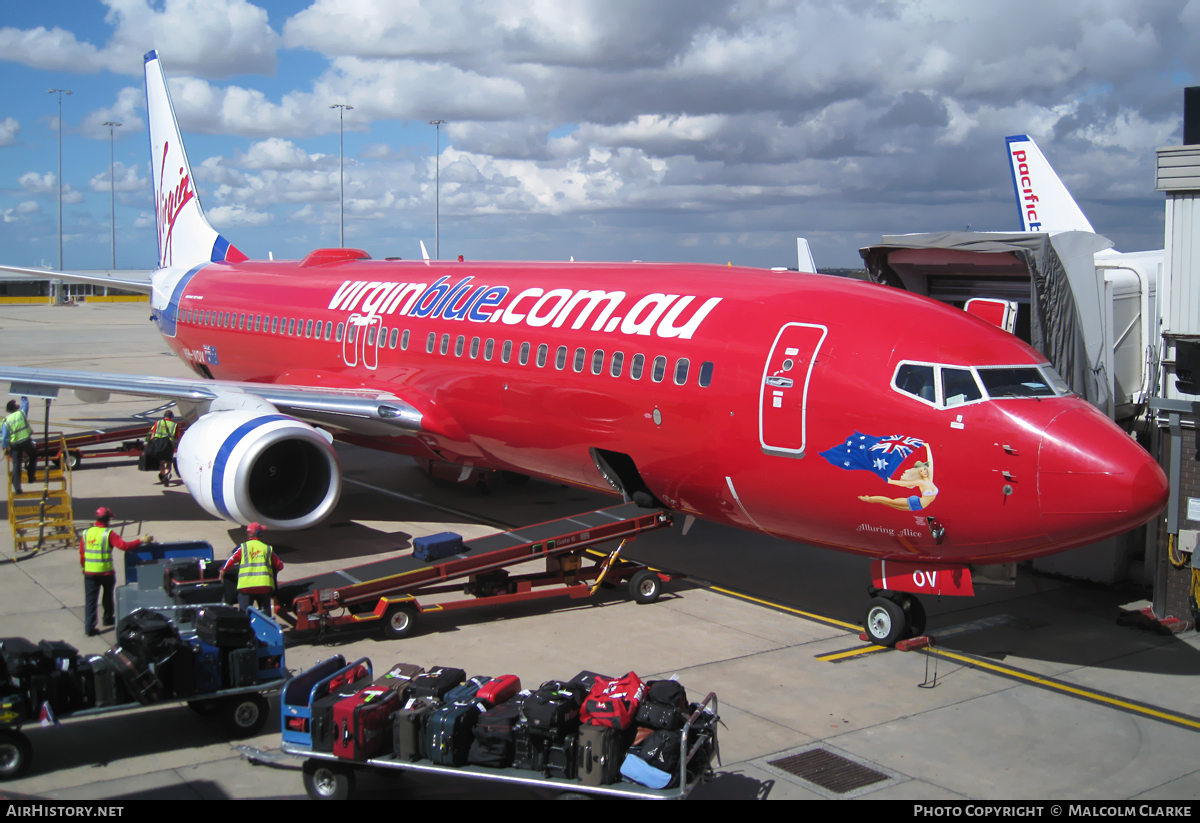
point(841, 413)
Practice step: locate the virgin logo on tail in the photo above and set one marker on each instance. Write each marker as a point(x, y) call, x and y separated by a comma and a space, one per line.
point(170, 204)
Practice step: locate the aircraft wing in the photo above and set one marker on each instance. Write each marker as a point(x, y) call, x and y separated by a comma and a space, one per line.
point(360, 411)
point(142, 286)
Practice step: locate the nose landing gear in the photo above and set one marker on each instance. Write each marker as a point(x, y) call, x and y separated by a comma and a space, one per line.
point(893, 616)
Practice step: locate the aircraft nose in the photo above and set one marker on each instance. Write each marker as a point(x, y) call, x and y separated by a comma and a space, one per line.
point(1090, 469)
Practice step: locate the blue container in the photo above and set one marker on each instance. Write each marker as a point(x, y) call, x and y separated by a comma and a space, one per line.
point(301, 691)
point(153, 552)
point(208, 667)
point(437, 546)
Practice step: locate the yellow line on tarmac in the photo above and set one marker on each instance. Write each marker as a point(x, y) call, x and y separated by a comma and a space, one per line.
point(829, 621)
point(1059, 686)
point(833, 657)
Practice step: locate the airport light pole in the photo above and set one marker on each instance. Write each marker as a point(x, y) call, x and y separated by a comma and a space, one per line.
point(437, 190)
point(60, 93)
point(112, 190)
point(342, 109)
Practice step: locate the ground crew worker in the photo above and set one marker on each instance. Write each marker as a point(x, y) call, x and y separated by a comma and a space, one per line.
point(95, 556)
point(256, 574)
point(17, 436)
point(163, 434)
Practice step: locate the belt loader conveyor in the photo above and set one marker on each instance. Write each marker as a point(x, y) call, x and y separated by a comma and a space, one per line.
point(386, 592)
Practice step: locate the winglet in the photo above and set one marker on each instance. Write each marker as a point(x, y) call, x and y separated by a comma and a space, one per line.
point(804, 257)
point(424, 251)
point(1043, 201)
point(185, 237)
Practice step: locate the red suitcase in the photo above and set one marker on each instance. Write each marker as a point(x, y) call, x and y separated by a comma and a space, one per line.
point(499, 689)
point(362, 723)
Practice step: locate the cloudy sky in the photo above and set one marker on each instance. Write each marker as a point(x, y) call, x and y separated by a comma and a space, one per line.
point(702, 130)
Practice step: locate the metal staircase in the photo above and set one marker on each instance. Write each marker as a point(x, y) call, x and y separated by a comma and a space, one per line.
point(42, 516)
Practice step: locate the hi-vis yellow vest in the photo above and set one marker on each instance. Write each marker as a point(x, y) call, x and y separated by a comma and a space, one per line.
point(18, 427)
point(164, 428)
point(97, 551)
point(257, 569)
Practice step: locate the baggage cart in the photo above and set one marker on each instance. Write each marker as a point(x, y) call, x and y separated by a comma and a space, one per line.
point(329, 777)
point(242, 711)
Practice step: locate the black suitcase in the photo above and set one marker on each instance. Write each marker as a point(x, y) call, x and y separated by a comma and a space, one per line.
point(194, 594)
point(554, 708)
point(561, 760)
point(23, 658)
point(436, 682)
point(147, 635)
point(241, 667)
point(408, 728)
point(399, 678)
point(106, 683)
point(664, 705)
point(146, 463)
point(84, 684)
point(585, 680)
point(448, 733)
point(494, 732)
point(224, 626)
point(63, 655)
point(598, 755)
point(189, 570)
point(141, 683)
point(529, 750)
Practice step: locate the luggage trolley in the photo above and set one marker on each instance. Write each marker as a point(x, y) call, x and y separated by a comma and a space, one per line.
point(328, 777)
point(243, 710)
point(386, 592)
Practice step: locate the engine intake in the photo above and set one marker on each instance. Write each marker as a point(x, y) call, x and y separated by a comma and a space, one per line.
point(245, 466)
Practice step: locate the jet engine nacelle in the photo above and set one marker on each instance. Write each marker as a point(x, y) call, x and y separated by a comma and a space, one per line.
point(245, 465)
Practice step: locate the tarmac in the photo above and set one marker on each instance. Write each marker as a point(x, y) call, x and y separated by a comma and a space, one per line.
point(1032, 693)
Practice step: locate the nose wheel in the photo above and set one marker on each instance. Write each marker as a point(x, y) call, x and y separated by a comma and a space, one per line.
point(893, 616)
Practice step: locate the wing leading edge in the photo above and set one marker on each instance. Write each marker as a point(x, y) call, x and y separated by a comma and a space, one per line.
point(140, 286)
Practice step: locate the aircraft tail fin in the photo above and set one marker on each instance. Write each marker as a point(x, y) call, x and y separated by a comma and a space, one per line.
point(185, 237)
point(424, 251)
point(1042, 198)
point(804, 257)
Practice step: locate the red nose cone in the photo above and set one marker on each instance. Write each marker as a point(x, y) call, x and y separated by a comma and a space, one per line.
point(1094, 479)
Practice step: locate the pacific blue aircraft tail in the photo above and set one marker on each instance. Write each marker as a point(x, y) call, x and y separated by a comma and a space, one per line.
point(1042, 199)
point(185, 238)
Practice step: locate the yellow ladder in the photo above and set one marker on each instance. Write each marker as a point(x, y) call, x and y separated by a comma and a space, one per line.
point(41, 516)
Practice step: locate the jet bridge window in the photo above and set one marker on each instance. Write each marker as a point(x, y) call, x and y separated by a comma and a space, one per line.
point(916, 380)
point(1015, 382)
point(959, 386)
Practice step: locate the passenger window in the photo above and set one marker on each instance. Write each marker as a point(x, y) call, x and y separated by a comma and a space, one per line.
point(959, 386)
point(543, 350)
point(328, 329)
point(445, 347)
point(706, 372)
point(635, 367)
point(459, 345)
point(292, 326)
point(341, 328)
point(681, 371)
point(617, 361)
point(660, 369)
point(506, 351)
point(560, 358)
point(598, 361)
point(275, 326)
point(524, 357)
point(308, 329)
point(257, 323)
point(392, 340)
point(474, 347)
point(404, 341)
point(241, 322)
point(353, 333)
point(430, 342)
point(488, 348)
point(580, 359)
point(917, 381)
point(371, 336)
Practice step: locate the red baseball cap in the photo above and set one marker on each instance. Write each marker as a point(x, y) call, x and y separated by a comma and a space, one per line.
point(104, 513)
point(255, 528)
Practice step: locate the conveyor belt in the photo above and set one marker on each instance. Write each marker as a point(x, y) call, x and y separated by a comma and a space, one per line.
point(476, 549)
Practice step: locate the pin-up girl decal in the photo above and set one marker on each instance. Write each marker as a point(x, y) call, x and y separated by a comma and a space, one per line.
point(884, 456)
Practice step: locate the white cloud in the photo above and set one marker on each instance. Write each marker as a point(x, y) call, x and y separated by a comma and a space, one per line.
point(125, 110)
point(230, 216)
point(28, 207)
point(213, 38)
point(125, 179)
point(9, 130)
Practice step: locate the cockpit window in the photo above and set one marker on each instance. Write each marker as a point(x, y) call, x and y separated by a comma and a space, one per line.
point(1015, 382)
point(959, 386)
point(917, 381)
point(1055, 379)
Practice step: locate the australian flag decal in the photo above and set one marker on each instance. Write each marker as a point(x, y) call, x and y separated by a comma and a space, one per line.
point(882, 455)
point(210, 356)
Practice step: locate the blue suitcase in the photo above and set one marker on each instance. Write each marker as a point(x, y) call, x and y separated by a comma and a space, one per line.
point(437, 546)
point(466, 692)
point(449, 732)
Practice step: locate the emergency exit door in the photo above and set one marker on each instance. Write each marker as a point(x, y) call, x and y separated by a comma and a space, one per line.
point(783, 395)
point(359, 342)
